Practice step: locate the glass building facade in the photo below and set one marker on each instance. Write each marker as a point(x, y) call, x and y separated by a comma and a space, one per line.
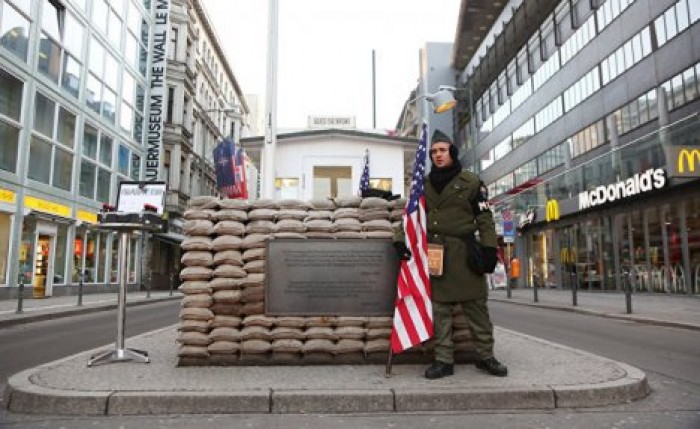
point(597, 99)
point(73, 94)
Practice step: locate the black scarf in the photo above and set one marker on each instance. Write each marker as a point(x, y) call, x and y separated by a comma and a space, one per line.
point(440, 177)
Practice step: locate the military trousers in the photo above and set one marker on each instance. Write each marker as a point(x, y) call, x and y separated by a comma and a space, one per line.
point(477, 314)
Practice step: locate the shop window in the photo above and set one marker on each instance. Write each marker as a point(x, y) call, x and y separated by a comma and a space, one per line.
point(114, 265)
point(26, 252)
point(692, 222)
point(60, 260)
point(133, 259)
point(14, 30)
point(5, 229)
point(90, 252)
point(675, 278)
point(102, 258)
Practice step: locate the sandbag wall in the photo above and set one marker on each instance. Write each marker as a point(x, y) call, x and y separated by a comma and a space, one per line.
point(222, 319)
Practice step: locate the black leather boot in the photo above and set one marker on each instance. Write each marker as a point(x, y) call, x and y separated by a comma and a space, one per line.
point(492, 366)
point(438, 370)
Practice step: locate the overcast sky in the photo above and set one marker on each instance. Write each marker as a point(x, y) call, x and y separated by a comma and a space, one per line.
point(325, 52)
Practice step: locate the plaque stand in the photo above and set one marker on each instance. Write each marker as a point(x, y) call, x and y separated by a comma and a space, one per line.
point(132, 223)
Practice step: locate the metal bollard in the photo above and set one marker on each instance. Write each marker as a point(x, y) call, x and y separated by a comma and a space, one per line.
point(535, 281)
point(628, 292)
point(80, 289)
point(172, 284)
point(20, 294)
point(509, 287)
point(574, 289)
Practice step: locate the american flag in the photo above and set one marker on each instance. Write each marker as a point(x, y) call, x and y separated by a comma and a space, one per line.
point(364, 180)
point(413, 315)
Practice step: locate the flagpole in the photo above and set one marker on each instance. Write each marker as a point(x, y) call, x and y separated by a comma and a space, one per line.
point(268, 153)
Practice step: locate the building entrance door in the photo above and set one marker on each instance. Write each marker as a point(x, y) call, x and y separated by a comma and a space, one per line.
point(43, 266)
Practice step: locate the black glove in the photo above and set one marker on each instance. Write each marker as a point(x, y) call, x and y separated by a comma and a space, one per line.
point(490, 257)
point(402, 251)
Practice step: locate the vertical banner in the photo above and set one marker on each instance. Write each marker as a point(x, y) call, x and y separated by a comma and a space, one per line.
point(155, 110)
point(230, 170)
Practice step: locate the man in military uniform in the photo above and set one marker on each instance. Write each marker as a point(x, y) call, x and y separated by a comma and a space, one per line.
point(457, 207)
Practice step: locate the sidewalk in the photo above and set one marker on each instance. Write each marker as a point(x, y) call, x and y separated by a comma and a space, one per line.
point(542, 375)
point(681, 311)
point(63, 306)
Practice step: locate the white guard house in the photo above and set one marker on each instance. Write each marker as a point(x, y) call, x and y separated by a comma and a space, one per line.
point(323, 163)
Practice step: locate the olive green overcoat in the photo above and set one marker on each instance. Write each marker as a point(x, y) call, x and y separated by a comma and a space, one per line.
point(454, 213)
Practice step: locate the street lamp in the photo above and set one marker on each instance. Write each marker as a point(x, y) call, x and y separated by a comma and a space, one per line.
point(442, 100)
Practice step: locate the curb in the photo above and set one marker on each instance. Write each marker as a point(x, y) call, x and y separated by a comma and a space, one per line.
point(629, 318)
point(18, 319)
point(23, 396)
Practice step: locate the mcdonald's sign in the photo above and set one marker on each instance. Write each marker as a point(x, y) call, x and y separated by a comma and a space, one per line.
point(688, 161)
point(551, 211)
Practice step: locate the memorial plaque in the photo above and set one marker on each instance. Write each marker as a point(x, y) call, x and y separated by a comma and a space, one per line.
point(343, 277)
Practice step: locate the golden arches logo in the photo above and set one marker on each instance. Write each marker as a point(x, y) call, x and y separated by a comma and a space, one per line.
point(551, 210)
point(689, 156)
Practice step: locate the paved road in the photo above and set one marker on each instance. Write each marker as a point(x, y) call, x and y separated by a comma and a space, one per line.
point(666, 354)
point(671, 352)
point(32, 344)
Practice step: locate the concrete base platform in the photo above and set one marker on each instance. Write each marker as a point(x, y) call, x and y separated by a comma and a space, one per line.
point(542, 375)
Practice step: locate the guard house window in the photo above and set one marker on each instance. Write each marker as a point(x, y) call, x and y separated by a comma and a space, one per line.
point(10, 109)
point(14, 29)
point(52, 144)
